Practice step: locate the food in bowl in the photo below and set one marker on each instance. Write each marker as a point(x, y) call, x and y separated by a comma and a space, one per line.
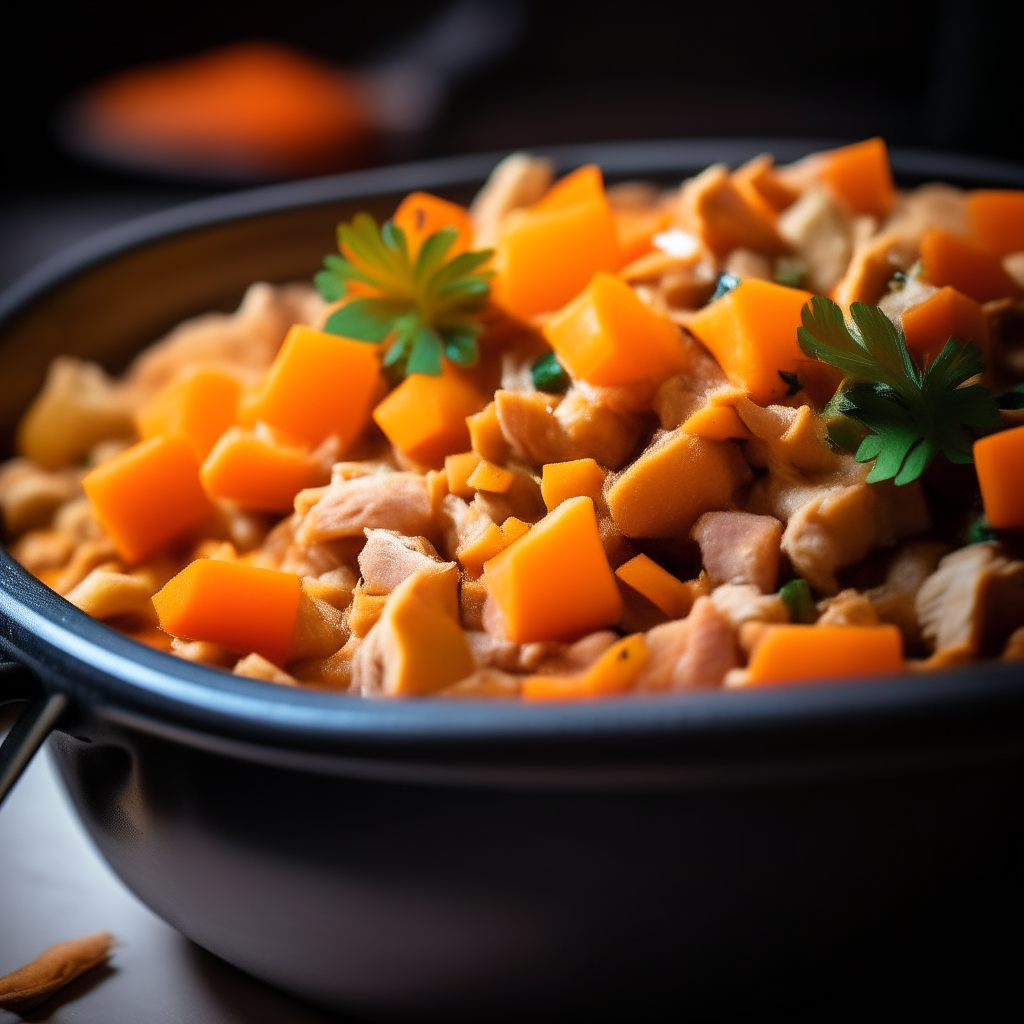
point(573, 441)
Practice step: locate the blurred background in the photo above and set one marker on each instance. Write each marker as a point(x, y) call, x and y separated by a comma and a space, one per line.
point(415, 80)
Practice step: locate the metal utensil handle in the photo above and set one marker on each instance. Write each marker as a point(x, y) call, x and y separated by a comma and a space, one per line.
point(32, 726)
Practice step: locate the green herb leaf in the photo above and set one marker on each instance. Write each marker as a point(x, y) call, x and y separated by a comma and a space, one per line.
point(1013, 399)
point(913, 414)
point(549, 375)
point(797, 596)
point(425, 307)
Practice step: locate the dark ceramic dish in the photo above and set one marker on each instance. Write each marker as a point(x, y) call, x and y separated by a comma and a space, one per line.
point(838, 849)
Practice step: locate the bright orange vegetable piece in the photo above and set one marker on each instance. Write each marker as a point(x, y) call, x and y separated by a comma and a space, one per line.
point(318, 385)
point(860, 175)
point(948, 313)
point(420, 215)
point(459, 468)
point(579, 186)
point(489, 477)
point(563, 480)
point(241, 607)
point(512, 529)
point(950, 259)
point(751, 331)
point(663, 492)
point(658, 585)
point(793, 653)
point(482, 548)
point(555, 583)
point(609, 335)
point(999, 461)
point(425, 416)
point(257, 474)
point(485, 435)
point(545, 258)
point(198, 408)
point(995, 220)
point(716, 423)
point(613, 672)
point(636, 229)
point(148, 495)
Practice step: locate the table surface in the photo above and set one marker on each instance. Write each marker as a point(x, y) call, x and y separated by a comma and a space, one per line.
point(53, 884)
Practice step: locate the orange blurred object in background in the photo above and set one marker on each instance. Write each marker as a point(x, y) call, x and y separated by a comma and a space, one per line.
point(253, 109)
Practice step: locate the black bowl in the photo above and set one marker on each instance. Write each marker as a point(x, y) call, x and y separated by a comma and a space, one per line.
point(802, 848)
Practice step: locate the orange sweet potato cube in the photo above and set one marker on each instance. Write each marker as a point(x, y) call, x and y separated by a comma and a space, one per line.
point(147, 496)
point(948, 313)
point(421, 214)
point(861, 177)
point(554, 583)
point(563, 480)
point(318, 385)
point(949, 259)
point(258, 474)
point(995, 220)
point(609, 335)
point(999, 460)
point(658, 585)
point(793, 653)
point(547, 257)
point(241, 607)
point(751, 331)
point(199, 408)
point(579, 186)
point(425, 416)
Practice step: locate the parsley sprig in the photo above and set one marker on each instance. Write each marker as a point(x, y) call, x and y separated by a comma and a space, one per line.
point(426, 306)
point(913, 414)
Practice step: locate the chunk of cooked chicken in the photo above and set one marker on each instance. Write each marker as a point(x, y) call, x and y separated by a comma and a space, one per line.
point(972, 603)
point(389, 558)
point(872, 267)
point(737, 547)
point(821, 234)
point(389, 501)
point(519, 180)
point(894, 599)
point(29, 496)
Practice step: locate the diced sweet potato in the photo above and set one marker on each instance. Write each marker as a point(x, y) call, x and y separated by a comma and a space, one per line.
point(485, 436)
point(995, 220)
point(318, 385)
point(636, 229)
point(580, 186)
point(481, 548)
point(658, 585)
point(198, 408)
point(459, 468)
point(949, 259)
point(613, 672)
point(563, 480)
point(555, 583)
point(425, 416)
point(257, 474)
point(420, 215)
point(608, 335)
point(147, 496)
point(486, 476)
point(715, 422)
point(860, 175)
point(751, 331)
point(759, 174)
point(948, 313)
point(791, 654)
point(679, 477)
point(239, 606)
point(545, 258)
point(999, 460)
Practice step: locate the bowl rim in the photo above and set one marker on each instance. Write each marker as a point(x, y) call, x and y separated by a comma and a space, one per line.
point(109, 674)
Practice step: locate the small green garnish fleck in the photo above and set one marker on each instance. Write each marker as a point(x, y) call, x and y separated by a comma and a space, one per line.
point(549, 375)
point(426, 307)
point(979, 531)
point(913, 414)
point(792, 382)
point(797, 596)
point(897, 282)
point(789, 272)
point(726, 283)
